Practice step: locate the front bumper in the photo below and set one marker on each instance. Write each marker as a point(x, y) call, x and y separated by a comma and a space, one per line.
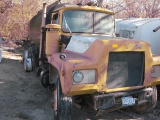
point(113, 101)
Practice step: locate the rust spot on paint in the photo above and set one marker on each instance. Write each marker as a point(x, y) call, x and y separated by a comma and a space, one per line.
point(63, 73)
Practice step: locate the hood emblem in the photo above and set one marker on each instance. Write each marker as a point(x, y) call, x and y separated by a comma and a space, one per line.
point(138, 46)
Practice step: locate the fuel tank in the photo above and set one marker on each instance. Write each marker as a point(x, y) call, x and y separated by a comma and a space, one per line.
point(34, 29)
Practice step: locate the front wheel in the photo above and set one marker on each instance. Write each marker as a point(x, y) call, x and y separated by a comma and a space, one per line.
point(149, 106)
point(62, 104)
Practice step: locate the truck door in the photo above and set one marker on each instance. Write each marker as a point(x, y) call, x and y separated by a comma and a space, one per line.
point(52, 35)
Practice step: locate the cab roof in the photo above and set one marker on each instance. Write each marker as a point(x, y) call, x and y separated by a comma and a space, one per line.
point(67, 6)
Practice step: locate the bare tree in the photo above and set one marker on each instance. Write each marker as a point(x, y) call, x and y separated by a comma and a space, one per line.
point(15, 16)
point(14, 21)
point(138, 8)
point(4, 5)
point(151, 8)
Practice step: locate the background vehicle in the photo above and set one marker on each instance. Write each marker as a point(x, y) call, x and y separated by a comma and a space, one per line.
point(146, 29)
point(83, 61)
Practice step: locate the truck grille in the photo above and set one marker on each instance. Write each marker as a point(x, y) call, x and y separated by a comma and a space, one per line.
point(125, 69)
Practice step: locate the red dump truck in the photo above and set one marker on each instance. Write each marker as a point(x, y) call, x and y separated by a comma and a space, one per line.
point(77, 56)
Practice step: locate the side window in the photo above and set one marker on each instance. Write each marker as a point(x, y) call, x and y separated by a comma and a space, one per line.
point(55, 18)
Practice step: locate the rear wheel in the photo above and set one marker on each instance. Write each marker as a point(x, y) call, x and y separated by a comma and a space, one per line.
point(28, 64)
point(25, 55)
point(62, 104)
point(27, 61)
point(149, 106)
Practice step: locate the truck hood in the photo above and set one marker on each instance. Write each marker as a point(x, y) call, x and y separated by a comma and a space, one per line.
point(92, 53)
point(80, 44)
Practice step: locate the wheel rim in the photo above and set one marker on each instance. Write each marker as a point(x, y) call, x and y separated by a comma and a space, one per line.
point(45, 81)
point(28, 64)
point(25, 55)
point(39, 70)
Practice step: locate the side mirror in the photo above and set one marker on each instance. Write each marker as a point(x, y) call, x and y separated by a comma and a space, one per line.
point(53, 26)
point(64, 39)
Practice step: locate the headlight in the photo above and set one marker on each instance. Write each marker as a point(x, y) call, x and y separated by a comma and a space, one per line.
point(78, 77)
point(84, 76)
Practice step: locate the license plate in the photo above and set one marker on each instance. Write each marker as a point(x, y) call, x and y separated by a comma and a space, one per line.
point(128, 101)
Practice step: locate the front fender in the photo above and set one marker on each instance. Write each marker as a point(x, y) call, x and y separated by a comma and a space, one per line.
point(65, 67)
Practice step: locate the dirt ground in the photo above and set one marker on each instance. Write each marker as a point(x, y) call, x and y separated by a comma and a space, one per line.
point(22, 97)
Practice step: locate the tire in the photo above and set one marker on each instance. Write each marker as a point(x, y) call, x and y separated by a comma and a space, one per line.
point(149, 106)
point(62, 104)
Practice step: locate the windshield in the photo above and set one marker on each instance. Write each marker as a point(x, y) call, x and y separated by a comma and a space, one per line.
point(87, 21)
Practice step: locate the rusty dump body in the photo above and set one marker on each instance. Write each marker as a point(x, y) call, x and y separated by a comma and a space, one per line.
point(91, 61)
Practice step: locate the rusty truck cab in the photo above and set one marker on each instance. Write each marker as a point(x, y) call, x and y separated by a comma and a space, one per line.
point(87, 62)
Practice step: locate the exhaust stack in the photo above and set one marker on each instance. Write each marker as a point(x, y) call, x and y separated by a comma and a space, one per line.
point(43, 35)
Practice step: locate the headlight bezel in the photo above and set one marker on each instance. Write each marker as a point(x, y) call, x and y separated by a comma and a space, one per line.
point(89, 76)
